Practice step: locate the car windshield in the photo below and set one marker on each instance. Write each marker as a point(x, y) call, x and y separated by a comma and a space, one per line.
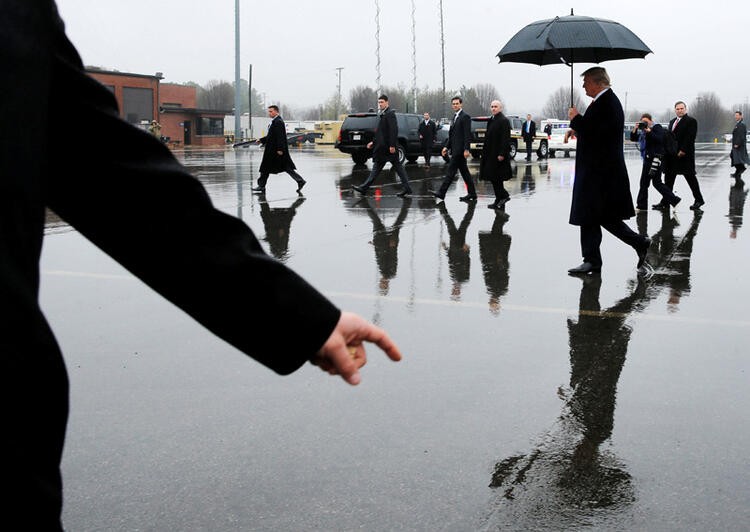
point(360, 122)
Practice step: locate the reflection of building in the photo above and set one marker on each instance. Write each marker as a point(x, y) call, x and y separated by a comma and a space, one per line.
point(494, 247)
point(278, 224)
point(142, 98)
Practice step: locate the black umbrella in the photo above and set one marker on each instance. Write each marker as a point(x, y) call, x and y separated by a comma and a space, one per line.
point(572, 39)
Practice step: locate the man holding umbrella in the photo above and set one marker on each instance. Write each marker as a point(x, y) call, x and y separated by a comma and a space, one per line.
point(601, 191)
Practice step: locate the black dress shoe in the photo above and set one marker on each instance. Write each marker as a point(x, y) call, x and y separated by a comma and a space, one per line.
point(467, 198)
point(404, 194)
point(300, 185)
point(585, 268)
point(677, 200)
point(259, 190)
point(362, 190)
point(438, 195)
point(697, 205)
point(659, 206)
point(642, 252)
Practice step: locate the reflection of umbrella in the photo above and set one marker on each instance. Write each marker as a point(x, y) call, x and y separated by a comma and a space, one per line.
point(572, 39)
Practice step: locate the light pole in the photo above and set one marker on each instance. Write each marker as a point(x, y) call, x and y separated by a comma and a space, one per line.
point(237, 99)
point(338, 98)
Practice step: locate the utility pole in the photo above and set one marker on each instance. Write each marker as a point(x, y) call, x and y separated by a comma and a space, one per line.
point(442, 56)
point(338, 98)
point(237, 99)
point(377, 47)
point(414, 55)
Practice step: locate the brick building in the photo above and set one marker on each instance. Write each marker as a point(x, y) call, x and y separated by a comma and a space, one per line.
point(143, 98)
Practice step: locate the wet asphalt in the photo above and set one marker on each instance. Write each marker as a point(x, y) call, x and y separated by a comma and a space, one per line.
point(527, 399)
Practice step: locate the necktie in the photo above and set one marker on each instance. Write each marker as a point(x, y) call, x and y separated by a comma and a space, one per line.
point(674, 126)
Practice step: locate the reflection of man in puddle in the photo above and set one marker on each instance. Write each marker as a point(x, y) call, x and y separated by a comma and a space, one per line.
point(385, 241)
point(494, 247)
point(737, 195)
point(278, 223)
point(567, 475)
point(459, 262)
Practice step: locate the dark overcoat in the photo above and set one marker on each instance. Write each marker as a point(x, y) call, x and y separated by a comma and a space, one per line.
point(739, 139)
point(427, 133)
point(127, 194)
point(684, 133)
point(496, 142)
point(601, 190)
point(275, 142)
point(386, 136)
point(459, 135)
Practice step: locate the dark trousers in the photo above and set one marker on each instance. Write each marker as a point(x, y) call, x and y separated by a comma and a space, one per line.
point(692, 181)
point(263, 179)
point(498, 188)
point(377, 167)
point(646, 179)
point(529, 144)
point(591, 239)
point(427, 153)
point(458, 163)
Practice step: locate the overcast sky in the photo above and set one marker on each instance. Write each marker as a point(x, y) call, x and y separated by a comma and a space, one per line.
point(295, 46)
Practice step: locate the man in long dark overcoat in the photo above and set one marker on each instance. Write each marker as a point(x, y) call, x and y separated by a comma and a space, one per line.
point(427, 131)
point(738, 155)
point(601, 190)
point(457, 144)
point(385, 149)
point(495, 162)
point(276, 158)
point(685, 129)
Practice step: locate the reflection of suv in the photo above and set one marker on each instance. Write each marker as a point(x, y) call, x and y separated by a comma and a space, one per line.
point(479, 128)
point(358, 130)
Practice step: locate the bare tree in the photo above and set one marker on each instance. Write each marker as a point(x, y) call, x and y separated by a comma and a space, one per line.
point(485, 93)
point(362, 98)
point(559, 102)
point(216, 94)
point(711, 116)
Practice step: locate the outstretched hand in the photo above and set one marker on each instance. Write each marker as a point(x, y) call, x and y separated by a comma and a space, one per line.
point(344, 352)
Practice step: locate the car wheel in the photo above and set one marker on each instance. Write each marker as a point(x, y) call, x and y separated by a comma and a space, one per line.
point(551, 154)
point(513, 149)
point(542, 151)
point(359, 158)
point(412, 159)
point(401, 154)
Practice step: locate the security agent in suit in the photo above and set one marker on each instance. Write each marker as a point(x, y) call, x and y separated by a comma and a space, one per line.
point(528, 132)
point(684, 128)
point(653, 155)
point(459, 139)
point(738, 155)
point(384, 149)
point(427, 131)
point(129, 196)
point(601, 191)
point(276, 158)
point(495, 162)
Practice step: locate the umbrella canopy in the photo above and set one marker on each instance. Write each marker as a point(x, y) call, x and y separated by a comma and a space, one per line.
point(572, 39)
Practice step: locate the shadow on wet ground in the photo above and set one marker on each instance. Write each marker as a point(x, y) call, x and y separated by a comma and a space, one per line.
point(527, 399)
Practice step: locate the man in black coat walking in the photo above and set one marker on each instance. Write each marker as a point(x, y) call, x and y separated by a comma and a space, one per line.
point(457, 144)
point(738, 155)
point(276, 158)
point(427, 130)
point(495, 162)
point(128, 195)
point(684, 128)
point(653, 157)
point(385, 149)
point(601, 191)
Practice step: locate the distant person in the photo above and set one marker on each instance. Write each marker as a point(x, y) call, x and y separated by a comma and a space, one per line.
point(495, 162)
point(457, 144)
point(129, 196)
point(653, 135)
point(385, 149)
point(155, 129)
point(601, 191)
point(738, 155)
point(548, 129)
point(427, 131)
point(528, 132)
point(684, 128)
point(276, 158)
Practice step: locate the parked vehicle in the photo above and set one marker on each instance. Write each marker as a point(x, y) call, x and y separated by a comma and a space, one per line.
point(358, 129)
point(479, 129)
point(559, 138)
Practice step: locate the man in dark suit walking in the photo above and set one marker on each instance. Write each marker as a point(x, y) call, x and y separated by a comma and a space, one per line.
point(276, 158)
point(384, 149)
point(459, 138)
point(495, 162)
point(528, 132)
point(653, 155)
point(684, 128)
point(601, 191)
point(427, 131)
point(738, 155)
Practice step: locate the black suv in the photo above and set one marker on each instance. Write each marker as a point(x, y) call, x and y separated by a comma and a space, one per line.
point(358, 130)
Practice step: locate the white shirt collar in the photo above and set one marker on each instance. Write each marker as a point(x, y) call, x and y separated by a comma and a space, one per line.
point(600, 93)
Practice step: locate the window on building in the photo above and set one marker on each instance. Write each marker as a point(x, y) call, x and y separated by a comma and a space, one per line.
point(137, 104)
point(209, 126)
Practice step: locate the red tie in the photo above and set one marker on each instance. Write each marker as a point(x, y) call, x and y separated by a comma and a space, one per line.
point(674, 126)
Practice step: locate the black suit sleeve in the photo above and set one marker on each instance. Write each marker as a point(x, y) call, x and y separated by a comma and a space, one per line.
point(466, 132)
